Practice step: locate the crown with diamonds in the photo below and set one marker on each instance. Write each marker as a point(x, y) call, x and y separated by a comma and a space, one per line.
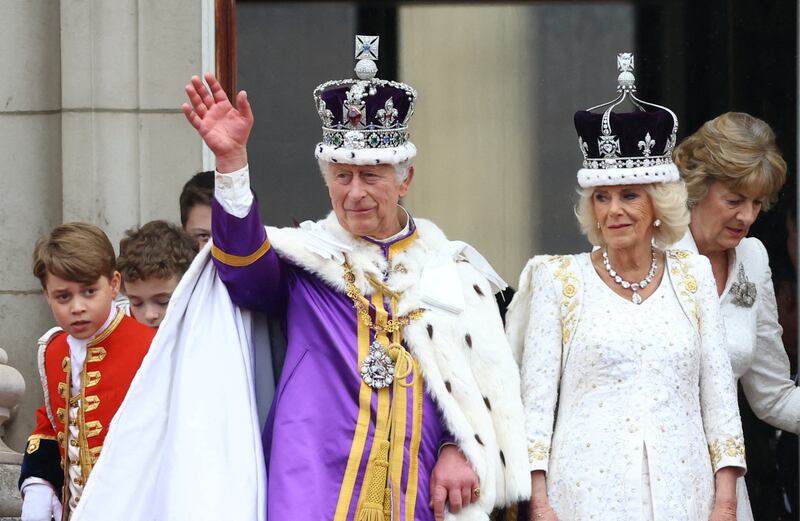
point(365, 119)
point(626, 148)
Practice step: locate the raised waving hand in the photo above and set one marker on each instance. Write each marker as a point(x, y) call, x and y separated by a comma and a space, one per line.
point(223, 127)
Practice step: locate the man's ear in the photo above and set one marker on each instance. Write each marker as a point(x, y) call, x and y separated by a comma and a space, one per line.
point(406, 184)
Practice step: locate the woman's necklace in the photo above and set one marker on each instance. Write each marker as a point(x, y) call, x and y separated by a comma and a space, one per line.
point(633, 286)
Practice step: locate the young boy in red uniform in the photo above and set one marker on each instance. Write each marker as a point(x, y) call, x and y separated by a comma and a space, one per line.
point(152, 259)
point(86, 366)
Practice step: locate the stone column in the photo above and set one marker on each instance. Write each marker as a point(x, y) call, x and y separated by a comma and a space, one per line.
point(90, 129)
point(12, 387)
point(127, 148)
point(30, 142)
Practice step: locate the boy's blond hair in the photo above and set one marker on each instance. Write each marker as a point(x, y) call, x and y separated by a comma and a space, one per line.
point(157, 249)
point(78, 252)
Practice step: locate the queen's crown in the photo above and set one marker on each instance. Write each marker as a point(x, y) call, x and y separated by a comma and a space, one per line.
point(640, 139)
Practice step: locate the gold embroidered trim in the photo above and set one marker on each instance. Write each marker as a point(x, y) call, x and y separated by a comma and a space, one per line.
point(721, 447)
point(88, 379)
point(569, 289)
point(33, 446)
point(34, 441)
point(687, 282)
point(92, 378)
point(107, 331)
point(95, 454)
point(65, 364)
point(537, 451)
point(93, 428)
point(239, 261)
point(61, 413)
point(402, 245)
point(91, 402)
point(95, 354)
point(62, 390)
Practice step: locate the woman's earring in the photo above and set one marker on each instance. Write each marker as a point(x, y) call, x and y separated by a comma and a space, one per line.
point(657, 223)
point(598, 225)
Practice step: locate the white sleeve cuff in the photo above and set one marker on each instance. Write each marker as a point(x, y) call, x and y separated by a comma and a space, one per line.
point(232, 191)
point(34, 481)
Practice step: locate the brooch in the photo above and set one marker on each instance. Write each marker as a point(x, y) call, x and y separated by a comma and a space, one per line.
point(377, 369)
point(744, 291)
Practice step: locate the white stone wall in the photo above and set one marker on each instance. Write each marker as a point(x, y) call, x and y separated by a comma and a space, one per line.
point(90, 129)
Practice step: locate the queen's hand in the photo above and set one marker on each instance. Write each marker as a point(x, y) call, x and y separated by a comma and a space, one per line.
point(540, 506)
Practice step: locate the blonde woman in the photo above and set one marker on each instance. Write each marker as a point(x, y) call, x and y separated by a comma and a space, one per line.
point(629, 399)
point(733, 170)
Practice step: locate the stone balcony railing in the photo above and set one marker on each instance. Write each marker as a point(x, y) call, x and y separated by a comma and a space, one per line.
point(12, 386)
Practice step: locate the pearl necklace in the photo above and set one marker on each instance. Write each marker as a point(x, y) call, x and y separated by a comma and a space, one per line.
point(633, 286)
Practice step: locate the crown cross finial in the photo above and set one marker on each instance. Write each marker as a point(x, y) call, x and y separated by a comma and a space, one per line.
point(366, 54)
point(626, 81)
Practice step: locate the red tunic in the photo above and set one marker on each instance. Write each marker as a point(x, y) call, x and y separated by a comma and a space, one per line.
point(112, 359)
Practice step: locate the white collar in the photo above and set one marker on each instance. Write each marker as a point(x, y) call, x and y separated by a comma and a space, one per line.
point(77, 350)
point(111, 314)
point(397, 235)
point(687, 242)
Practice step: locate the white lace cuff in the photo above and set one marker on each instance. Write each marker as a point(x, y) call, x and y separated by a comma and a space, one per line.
point(232, 191)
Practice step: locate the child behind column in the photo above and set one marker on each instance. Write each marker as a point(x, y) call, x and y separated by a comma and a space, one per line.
point(152, 260)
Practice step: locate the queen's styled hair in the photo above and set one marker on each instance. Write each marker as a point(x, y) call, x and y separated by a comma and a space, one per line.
point(669, 206)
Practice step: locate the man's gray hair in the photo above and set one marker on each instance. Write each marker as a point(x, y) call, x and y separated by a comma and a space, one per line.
point(400, 169)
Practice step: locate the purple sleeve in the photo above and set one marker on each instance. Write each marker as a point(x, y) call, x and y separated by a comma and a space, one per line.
point(447, 439)
point(255, 276)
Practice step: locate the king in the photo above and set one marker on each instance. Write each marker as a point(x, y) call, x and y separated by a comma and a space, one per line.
point(399, 398)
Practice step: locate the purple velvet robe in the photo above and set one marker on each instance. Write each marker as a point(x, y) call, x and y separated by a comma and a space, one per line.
point(319, 435)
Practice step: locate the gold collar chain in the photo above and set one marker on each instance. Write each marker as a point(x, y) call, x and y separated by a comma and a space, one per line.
point(362, 307)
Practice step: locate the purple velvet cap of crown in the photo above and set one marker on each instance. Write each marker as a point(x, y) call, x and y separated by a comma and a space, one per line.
point(633, 148)
point(630, 128)
point(336, 97)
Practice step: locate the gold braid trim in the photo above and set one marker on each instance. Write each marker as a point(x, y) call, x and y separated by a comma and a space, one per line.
point(387, 455)
point(34, 440)
point(238, 261)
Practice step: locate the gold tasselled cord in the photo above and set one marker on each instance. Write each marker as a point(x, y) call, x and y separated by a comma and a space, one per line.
point(377, 505)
